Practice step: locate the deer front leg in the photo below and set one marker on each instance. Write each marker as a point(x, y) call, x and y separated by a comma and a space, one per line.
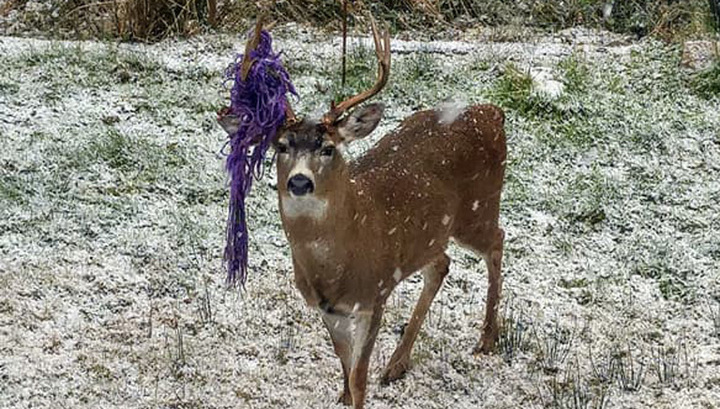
point(433, 276)
point(341, 344)
point(365, 328)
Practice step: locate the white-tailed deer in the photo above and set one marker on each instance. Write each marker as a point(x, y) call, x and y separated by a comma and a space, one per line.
point(357, 229)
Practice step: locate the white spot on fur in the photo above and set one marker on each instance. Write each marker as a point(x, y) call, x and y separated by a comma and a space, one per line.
point(431, 243)
point(352, 330)
point(476, 204)
point(319, 248)
point(383, 291)
point(445, 220)
point(380, 283)
point(392, 231)
point(397, 275)
point(468, 247)
point(309, 206)
point(449, 111)
point(359, 331)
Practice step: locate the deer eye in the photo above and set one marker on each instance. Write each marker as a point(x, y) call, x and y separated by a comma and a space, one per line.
point(282, 147)
point(327, 151)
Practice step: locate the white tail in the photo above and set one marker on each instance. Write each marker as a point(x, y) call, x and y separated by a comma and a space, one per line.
point(356, 229)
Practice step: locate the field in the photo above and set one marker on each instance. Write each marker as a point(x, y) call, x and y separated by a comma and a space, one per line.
point(113, 198)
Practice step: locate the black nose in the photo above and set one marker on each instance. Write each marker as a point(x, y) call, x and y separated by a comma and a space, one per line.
point(300, 185)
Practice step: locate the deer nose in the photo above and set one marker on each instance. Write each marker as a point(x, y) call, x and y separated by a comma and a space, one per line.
point(300, 185)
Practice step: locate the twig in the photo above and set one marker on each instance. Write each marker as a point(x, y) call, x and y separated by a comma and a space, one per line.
point(344, 42)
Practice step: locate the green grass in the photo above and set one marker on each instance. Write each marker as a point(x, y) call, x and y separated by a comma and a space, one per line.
point(418, 78)
point(576, 74)
point(97, 168)
point(105, 67)
point(360, 71)
point(707, 82)
point(421, 67)
point(608, 204)
point(13, 188)
point(602, 116)
point(513, 90)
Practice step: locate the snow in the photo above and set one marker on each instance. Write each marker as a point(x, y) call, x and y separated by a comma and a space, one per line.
point(112, 292)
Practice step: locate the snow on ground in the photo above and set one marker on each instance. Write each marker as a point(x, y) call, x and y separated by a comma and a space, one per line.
point(113, 199)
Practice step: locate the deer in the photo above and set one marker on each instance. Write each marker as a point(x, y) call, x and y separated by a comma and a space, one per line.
point(357, 228)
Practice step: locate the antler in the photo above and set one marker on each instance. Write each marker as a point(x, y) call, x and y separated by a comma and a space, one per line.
point(248, 62)
point(251, 45)
point(382, 50)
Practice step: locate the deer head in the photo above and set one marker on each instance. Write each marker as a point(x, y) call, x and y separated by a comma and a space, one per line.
point(309, 161)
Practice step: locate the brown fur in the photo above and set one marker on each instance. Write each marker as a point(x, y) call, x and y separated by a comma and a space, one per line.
point(396, 208)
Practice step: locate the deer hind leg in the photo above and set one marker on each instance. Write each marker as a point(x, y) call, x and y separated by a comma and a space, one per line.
point(493, 260)
point(433, 276)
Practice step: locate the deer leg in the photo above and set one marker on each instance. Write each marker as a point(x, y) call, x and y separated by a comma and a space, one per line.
point(365, 329)
point(493, 260)
point(342, 346)
point(433, 276)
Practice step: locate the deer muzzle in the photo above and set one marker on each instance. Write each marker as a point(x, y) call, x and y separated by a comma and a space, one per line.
point(300, 185)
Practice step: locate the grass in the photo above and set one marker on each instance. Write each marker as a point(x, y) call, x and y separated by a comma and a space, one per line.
point(706, 83)
point(513, 90)
point(361, 64)
point(515, 333)
point(112, 206)
point(672, 365)
point(572, 391)
point(576, 73)
point(553, 348)
point(152, 21)
point(629, 371)
point(98, 168)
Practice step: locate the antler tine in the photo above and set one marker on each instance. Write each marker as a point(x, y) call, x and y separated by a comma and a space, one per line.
point(382, 51)
point(290, 117)
point(252, 43)
point(248, 62)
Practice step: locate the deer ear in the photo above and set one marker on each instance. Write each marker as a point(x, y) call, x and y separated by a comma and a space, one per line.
point(361, 122)
point(229, 122)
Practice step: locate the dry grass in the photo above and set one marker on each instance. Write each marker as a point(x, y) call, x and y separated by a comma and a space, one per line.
point(151, 20)
point(137, 20)
point(642, 17)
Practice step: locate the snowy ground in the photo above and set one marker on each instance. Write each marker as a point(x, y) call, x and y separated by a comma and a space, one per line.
point(113, 199)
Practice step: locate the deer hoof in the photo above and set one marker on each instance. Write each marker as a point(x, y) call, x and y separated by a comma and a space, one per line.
point(345, 398)
point(395, 371)
point(486, 347)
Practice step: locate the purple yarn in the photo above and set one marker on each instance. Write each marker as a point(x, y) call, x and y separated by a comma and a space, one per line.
point(259, 103)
